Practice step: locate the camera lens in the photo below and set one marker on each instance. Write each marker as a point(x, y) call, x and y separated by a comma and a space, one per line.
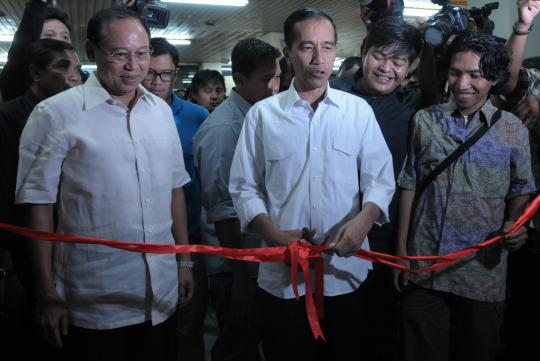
point(434, 36)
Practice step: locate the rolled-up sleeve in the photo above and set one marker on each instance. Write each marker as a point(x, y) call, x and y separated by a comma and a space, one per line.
point(377, 182)
point(214, 150)
point(521, 178)
point(42, 150)
point(407, 176)
point(246, 184)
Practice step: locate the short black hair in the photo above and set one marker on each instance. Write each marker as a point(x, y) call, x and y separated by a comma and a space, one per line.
point(204, 77)
point(53, 13)
point(249, 53)
point(495, 59)
point(94, 31)
point(40, 54)
point(393, 31)
point(301, 15)
point(160, 46)
point(350, 62)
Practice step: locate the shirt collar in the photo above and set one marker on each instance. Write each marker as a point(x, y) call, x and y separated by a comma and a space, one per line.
point(292, 98)
point(488, 110)
point(94, 93)
point(176, 103)
point(239, 101)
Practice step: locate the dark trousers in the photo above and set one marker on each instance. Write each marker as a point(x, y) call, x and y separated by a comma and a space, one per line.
point(439, 326)
point(286, 334)
point(137, 342)
point(235, 342)
point(190, 316)
point(521, 329)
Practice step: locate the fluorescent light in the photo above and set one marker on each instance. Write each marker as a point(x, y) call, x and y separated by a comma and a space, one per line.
point(89, 67)
point(210, 2)
point(415, 12)
point(3, 58)
point(6, 38)
point(179, 41)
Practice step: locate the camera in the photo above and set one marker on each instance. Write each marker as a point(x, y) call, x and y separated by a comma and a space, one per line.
point(154, 13)
point(454, 20)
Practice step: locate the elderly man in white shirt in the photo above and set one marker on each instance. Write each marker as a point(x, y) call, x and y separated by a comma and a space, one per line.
point(312, 157)
point(108, 155)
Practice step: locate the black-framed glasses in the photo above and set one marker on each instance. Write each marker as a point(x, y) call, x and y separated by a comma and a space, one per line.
point(165, 75)
point(122, 56)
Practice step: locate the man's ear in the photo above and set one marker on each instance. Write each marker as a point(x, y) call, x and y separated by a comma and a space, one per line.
point(34, 73)
point(90, 53)
point(286, 52)
point(239, 79)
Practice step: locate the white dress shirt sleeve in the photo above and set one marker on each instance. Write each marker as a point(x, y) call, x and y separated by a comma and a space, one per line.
point(42, 150)
point(246, 183)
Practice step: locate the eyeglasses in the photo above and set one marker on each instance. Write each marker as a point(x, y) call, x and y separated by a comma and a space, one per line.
point(166, 75)
point(123, 56)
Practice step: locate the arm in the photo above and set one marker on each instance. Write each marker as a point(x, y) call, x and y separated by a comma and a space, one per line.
point(406, 198)
point(186, 284)
point(377, 185)
point(51, 311)
point(351, 235)
point(271, 234)
point(12, 83)
point(527, 10)
point(514, 208)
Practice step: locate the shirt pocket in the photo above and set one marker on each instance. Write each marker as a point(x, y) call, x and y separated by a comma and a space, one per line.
point(279, 171)
point(344, 159)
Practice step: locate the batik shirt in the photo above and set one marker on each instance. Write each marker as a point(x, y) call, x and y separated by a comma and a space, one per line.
point(466, 203)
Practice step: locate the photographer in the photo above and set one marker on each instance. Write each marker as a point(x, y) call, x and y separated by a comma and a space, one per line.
point(39, 20)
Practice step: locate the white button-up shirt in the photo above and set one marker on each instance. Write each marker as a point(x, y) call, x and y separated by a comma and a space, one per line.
point(111, 173)
point(306, 168)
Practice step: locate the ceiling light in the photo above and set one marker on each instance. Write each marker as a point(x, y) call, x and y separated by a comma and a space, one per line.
point(179, 41)
point(6, 38)
point(210, 2)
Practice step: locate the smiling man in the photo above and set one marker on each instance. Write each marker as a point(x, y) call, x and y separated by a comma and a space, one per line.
point(458, 310)
point(108, 155)
point(303, 158)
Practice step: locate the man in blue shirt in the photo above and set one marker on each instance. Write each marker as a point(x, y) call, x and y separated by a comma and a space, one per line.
point(188, 117)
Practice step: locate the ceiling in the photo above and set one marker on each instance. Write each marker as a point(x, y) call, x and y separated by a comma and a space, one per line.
point(213, 30)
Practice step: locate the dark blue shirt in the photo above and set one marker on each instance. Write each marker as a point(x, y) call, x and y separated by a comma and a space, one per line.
point(393, 112)
point(188, 118)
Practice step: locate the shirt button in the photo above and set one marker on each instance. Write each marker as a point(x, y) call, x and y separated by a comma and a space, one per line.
point(314, 206)
point(149, 229)
point(146, 201)
point(314, 149)
point(143, 170)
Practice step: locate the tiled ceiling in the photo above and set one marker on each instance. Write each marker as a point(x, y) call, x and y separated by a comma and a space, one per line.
point(213, 30)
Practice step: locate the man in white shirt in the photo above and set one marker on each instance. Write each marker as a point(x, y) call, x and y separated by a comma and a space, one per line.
point(108, 155)
point(302, 160)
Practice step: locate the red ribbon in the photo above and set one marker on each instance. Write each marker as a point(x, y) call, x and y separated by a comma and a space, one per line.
point(299, 254)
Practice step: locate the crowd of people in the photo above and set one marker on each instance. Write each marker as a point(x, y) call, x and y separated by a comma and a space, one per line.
point(361, 160)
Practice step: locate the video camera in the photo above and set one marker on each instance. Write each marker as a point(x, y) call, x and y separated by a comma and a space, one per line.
point(154, 13)
point(454, 20)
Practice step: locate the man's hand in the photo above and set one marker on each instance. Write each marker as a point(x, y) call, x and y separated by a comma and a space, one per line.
point(528, 109)
point(283, 238)
point(186, 285)
point(52, 317)
point(350, 236)
point(527, 11)
point(399, 277)
point(516, 240)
